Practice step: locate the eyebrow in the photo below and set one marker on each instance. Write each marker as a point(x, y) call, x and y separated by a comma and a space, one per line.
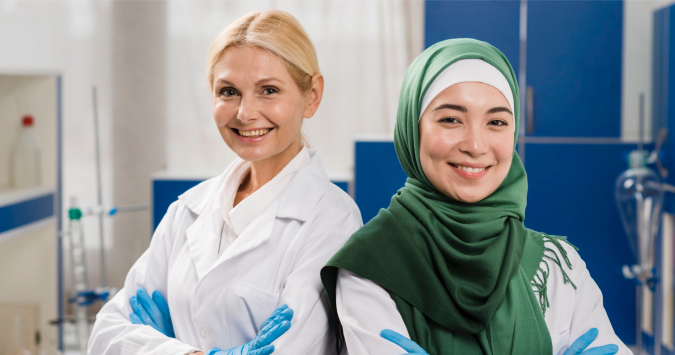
point(258, 83)
point(464, 109)
point(499, 109)
point(452, 107)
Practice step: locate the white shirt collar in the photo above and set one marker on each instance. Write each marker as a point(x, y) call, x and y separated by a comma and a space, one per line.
point(241, 216)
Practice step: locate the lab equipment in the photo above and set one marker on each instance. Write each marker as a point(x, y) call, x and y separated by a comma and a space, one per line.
point(26, 157)
point(408, 345)
point(18, 347)
point(639, 197)
point(79, 273)
point(579, 346)
point(152, 311)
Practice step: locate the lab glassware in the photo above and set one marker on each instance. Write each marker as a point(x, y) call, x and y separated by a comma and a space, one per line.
point(639, 198)
point(79, 270)
point(26, 157)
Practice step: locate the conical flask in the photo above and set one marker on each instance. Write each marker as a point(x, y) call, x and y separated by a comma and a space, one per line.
point(639, 198)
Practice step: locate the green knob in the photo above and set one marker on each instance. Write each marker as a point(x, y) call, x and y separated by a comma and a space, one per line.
point(74, 213)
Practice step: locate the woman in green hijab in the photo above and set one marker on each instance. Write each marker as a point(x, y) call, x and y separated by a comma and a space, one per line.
point(449, 264)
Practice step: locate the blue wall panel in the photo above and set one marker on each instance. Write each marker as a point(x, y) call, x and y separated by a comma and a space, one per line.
point(574, 51)
point(571, 193)
point(663, 116)
point(495, 22)
point(164, 193)
point(377, 176)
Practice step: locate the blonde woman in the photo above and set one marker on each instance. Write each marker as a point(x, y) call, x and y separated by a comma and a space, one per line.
point(235, 262)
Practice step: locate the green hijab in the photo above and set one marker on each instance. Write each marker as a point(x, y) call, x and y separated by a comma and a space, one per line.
point(461, 274)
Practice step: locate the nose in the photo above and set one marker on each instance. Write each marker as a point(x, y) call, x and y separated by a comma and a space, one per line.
point(474, 142)
point(248, 109)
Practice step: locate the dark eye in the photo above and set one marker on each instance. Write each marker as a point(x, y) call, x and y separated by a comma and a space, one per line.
point(227, 92)
point(449, 120)
point(498, 123)
point(270, 91)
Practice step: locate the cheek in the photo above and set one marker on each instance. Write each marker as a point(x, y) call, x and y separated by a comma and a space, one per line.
point(287, 116)
point(504, 150)
point(222, 113)
point(504, 155)
point(439, 145)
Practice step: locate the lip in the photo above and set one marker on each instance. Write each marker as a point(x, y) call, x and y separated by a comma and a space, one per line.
point(468, 175)
point(249, 139)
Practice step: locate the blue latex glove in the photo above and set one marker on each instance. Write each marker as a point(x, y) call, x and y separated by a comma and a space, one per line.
point(151, 311)
point(276, 325)
point(408, 345)
point(579, 345)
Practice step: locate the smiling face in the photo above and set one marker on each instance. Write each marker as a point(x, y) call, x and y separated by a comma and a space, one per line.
point(467, 140)
point(257, 106)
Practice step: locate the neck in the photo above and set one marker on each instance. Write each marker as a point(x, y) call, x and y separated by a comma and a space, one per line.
point(262, 171)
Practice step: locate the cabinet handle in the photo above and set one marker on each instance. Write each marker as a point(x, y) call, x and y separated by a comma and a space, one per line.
point(529, 113)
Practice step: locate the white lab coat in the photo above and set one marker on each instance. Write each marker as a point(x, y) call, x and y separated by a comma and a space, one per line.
point(366, 308)
point(223, 302)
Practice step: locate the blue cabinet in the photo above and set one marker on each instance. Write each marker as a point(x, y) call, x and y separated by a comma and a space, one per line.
point(574, 68)
point(377, 175)
point(571, 193)
point(495, 22)
point(574, 51)
point(663, 116)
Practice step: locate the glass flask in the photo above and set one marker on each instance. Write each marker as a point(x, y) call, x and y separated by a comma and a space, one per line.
point(639, 197)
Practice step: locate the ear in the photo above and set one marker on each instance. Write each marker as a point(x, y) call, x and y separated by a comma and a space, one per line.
point(314, 96)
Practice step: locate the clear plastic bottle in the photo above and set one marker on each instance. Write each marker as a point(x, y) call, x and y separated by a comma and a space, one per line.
point(18, 337)
point(26, 157)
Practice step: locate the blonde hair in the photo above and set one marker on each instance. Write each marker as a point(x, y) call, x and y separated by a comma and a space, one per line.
point(277, 32)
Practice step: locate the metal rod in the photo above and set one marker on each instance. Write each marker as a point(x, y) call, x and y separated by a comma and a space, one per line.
point(522, 77)
point(641, 139)
point(99, 187)
point(530, 110)
point(132, 208)
point(668, 187)
point(638, 320)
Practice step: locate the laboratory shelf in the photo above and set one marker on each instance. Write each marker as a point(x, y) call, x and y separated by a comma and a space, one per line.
point(29, 218)
point(22, 209)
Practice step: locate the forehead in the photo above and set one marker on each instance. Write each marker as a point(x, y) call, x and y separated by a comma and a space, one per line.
point(249, 63)
point(472, 93)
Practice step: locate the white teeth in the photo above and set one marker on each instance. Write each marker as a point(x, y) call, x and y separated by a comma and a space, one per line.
point(470, 170)
point(254, 133)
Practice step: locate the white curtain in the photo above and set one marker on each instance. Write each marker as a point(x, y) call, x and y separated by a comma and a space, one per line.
point(364, 48)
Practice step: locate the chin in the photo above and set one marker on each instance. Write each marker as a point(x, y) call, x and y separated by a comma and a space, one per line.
point(252, 154)
point(470, 197)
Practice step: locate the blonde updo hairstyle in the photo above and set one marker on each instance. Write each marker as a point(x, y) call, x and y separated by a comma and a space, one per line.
point(277, 32)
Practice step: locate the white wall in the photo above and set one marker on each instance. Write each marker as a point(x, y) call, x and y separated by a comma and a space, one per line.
point(638, 26)
point(71, 38)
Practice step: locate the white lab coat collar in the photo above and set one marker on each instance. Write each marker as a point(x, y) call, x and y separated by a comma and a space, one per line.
point(298, 198)
point(304, 191)
point(247, 210)
point(296, 201)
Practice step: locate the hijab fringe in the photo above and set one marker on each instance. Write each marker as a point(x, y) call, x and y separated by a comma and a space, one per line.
point(540, 279)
